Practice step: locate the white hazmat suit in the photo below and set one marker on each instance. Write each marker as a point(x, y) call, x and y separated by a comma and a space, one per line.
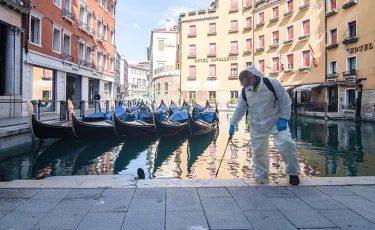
point(264, 114)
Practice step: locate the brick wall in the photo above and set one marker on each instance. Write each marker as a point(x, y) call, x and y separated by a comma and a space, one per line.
point(173, 92)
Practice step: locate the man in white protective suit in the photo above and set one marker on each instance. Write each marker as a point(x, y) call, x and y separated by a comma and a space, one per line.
point(269, 107)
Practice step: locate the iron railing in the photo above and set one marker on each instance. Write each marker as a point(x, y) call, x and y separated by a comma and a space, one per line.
point(68, 15)
point(350, 73)
point(68, 57)
point(82, 25)
point(100, 37)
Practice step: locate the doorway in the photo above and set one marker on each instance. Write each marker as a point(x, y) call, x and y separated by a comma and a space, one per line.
point(73, 90)
point(333, 99)
point(93, 87)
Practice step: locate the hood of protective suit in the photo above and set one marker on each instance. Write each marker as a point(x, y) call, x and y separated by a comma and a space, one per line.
point(254, 71)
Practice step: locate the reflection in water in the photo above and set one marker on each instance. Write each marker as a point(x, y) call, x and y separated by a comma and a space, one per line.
point(326, 148)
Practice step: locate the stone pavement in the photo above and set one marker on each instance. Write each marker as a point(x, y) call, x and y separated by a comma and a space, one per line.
point(129, 206)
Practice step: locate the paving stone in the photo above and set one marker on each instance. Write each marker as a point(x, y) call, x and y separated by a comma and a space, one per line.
point(347, 219)
point(19, 193)
point(358, 204)
point(363, 191)
point(183, 199)
point(223, 213)
point(213, 192)
point(20, 220)
point(32, 205)
point(277, 192)
point(300, 214)
point(145, 213)
point(94, 193)
point(3, 213)
point(250, 198)
point(150, 193)
point(268, 220)
point(315, 198)
point(75, 204)
point(322, 229)
point(113, 200)
point(61, 219)
point(52, 194)
point(8, 204)
point(101, 221)
point(334, 190)
point(186, 220)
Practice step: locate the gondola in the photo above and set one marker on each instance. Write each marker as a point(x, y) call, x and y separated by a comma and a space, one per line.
point(202, 121)
point(130, 125)
point(174, 124)
point(44, 130)
point(92, 130)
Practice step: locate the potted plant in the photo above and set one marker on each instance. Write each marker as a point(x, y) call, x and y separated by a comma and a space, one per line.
point(233, 100)
point(212, 98)
point(192, 99)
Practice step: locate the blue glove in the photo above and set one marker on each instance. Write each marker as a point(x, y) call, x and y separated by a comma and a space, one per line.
point(231, 130)
point(282, 124)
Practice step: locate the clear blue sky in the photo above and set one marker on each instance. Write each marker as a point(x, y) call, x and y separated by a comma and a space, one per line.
point(136, 18)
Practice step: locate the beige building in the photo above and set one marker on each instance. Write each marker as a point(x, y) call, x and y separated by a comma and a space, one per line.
point(289, 40)
point(163, 58)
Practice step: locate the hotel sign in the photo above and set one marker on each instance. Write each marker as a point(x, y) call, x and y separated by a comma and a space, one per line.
point(361, 48)
point(219, 59)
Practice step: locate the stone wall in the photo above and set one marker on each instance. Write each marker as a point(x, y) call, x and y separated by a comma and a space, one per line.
point(173, 89)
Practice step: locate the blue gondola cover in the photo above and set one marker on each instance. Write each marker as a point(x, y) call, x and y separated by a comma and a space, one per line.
point(206, 116)
point(179, 116)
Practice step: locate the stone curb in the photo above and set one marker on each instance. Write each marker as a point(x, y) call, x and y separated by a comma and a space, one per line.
point(128, 181)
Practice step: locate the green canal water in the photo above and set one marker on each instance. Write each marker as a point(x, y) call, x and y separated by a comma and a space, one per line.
point(326, 148)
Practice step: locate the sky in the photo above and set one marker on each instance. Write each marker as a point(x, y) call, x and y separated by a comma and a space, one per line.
point(136, 18)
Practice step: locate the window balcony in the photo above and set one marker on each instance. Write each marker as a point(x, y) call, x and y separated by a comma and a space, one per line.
point(350, 74)
point(68, 57)
point(275, 44)
point(274, 73)
point(247, 51)
point(305, 69)
point(332, 46)
point(233, 76)
point(211, 55)
point(89, 64)
point(332, 76)
point(211, 33)
point(248, 7)
point(331, 13)
point(233, 30)
point(260, 49)
point(304, 6)
point(289, 71)
point(99, 37)
point(192, 78)
point(192, 56)
point(304, 37)
point(260, 24)
point(192, 35)
point(233, 53)
point(287, 14)
point(211, 78)
point(81, 62)
point(101, 69)
point(274, 19)
point(90, 31)
point(349, 4)
point(233, 10)
point(247, 28)
point(350, 40)
point(82, 26)
point(67, 15)
point(290, 41)
point(16, 5)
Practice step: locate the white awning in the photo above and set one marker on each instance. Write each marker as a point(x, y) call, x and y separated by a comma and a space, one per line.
point(306, 87)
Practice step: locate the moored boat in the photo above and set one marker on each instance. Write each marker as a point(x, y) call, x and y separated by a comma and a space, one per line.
point(92, 130)
point(169, 121)
point(202, 121)
point(45, 130)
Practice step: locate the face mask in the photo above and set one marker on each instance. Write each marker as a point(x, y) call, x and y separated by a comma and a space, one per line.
point(250, 88)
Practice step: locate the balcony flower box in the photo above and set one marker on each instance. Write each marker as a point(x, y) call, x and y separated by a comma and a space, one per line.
point(260, 24)
point(288, 13)
point(274, 73)
point(211, 78)
point(331, 13)
point(350, 40)
point(247, 52)
point(305, 69)
point(248, 7)
point(304, 37)
point(211, 33)
point(289, 71)
point(211, 55)
point(233, 53)
point(192, 78)
point(304, 6)
point(233, 10)
point(233, 31)
point(247, 28)
point(192, 35)
point(274, 19)
point(233, 77)
point(288, 42)
point(349, 4)
point(274, 46)
point(332, 46)
point(192, 56)
point(260, 49)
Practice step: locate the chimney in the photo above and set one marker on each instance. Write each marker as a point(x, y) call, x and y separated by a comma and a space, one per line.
point(167, 25)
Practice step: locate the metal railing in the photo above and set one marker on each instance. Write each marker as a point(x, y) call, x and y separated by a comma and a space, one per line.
point(82, 25)
point(165, 69)
point(68, 57)
point(332, 76)
point(68, 14)
point(100, 37)
point(350, 73)
point(90, 30)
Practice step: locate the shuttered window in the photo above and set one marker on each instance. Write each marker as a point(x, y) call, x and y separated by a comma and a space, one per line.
point(212, 70)
point(193, 29)
point(212, 27)
point(290, 33)
point(275, 37)
point(275, 64)
point(248, 44)
point(192, 50)
point(234, 69)
point(234, 25)
point(261, 66)
point(275, 12)
point(261, 41)
point(333, 4)
point(306, 58)
point(290, 61)
point(191, 71)
point(306, 27)
point(334, 36)
point(233, 46)
point(212, 48)
point(248, 22)
point(261, 17)
point(249, 2)
point(234, 4)
point(290, 5)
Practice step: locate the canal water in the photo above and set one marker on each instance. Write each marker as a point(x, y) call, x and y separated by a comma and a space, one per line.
point(326, 148)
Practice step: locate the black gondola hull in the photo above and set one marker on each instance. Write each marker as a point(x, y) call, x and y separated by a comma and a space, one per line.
point(198, 128)
point(129, 129)
point(87, 130)
point(45, 131)
point(165, 129)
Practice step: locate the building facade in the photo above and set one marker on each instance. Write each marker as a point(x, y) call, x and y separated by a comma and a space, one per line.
point(289, 40)
point(11, 33)
point(70, 53)
point(138, 82)
point(163, 58)
point(124, 77)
